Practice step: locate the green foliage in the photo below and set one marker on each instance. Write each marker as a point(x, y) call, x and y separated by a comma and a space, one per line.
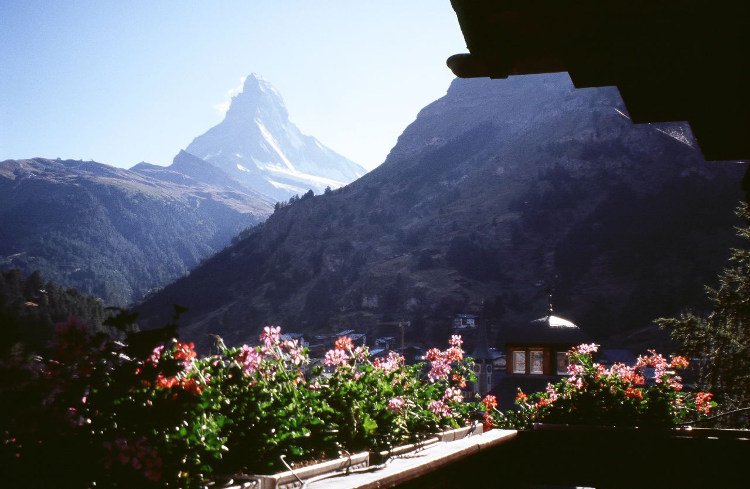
point(29, 309)
point(721, 339)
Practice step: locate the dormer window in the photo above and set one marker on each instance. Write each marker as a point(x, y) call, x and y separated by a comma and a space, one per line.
point(562, 363)
point(519, 362)
point(536, 362)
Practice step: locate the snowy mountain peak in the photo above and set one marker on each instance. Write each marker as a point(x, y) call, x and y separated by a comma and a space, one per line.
point(259, 146)
point(255, 82)
point(258, 96)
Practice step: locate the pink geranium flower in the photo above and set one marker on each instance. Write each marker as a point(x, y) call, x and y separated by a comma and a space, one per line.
point(396, 404)
point(336, 358)
point(271, 335)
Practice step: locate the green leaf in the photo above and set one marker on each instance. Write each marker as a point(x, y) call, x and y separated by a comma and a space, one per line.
point(369, 425)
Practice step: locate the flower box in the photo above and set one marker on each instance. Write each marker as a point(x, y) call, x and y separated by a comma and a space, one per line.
point(293, 479)
point(433, 465)
point(296, 478)
point(460, 433)
point(400, 450)
point(444, 436)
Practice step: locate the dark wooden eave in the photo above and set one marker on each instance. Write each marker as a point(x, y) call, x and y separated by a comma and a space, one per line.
point(672, 60)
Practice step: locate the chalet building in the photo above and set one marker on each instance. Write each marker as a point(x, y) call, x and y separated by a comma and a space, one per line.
point(385, 343)
point(412, 354)
point(344, 332)
point(536, 355)
point(358, 339)
point(464, 321)
point(540, 347)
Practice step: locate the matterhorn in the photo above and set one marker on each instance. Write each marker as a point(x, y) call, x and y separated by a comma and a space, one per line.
point(260, 147)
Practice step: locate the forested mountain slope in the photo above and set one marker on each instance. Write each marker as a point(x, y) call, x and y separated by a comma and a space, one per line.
point(112, 232)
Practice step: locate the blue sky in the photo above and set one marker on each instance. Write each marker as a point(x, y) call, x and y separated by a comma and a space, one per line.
point(121, 82)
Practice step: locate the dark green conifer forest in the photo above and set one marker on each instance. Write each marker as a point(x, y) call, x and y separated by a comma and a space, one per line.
point(720, 340)
point(30, 307)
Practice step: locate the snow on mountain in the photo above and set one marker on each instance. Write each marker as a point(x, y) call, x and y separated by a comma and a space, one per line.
point(259, 146)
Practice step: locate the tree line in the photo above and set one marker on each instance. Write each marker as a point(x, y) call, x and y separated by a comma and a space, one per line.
point(30, 307)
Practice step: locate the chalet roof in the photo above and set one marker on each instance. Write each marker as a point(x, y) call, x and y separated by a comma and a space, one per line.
point(672, 60)
point(292, 336)
point(357, 337)
point(546, 330)
point(555, 322)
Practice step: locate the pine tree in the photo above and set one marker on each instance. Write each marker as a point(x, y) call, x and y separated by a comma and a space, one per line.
point(721, 339)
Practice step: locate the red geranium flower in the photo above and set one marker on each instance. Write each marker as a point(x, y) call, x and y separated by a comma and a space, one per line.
point(490, 401)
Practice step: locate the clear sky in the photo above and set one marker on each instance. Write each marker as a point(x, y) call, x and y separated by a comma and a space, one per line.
point(121, 82)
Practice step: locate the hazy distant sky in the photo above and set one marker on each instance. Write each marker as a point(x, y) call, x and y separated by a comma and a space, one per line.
point(121, 82)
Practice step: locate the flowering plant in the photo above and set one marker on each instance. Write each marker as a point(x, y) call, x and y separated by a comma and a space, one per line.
point(620, 395)
point(379, 402)
point(150, 420)
point(107, 411)
point(149, 412)
point(270, 410)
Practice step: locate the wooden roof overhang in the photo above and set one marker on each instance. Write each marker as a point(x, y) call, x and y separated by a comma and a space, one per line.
point(672, 60)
